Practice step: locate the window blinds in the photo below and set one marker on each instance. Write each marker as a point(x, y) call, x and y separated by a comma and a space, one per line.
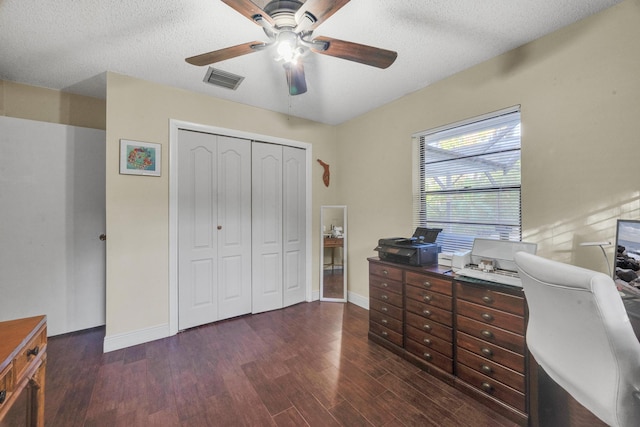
point(467, 180)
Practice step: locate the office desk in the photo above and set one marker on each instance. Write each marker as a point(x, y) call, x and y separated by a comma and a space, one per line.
point(23, 354)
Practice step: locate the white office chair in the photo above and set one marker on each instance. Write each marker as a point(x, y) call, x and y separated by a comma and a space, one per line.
point(579, 333)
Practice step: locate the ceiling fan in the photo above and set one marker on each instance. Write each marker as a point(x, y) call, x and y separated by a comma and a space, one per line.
point(289, 24)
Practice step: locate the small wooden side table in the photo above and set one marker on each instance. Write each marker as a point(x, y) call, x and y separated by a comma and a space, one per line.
point(23, 355)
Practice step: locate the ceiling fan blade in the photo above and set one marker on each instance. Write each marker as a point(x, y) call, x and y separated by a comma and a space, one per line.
point(226, 53)
point(321, 10)
point(295, 78)
point(248, 9)
point(356, 52)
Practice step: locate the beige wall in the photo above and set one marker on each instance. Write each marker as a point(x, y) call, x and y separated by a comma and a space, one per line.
point(137, 207)
point(579, 89)
point(53, 106)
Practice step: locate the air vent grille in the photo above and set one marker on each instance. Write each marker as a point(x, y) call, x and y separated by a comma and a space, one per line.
point(221, 78)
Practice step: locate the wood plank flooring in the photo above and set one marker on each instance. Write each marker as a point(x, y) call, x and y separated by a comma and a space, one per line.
point(309, 364)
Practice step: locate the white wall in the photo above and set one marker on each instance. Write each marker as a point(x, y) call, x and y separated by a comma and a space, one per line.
point(52, 213)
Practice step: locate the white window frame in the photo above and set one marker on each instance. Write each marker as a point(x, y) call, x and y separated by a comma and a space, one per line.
point(455, 241)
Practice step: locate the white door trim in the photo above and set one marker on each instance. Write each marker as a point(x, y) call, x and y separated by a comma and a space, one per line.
point(174, 126)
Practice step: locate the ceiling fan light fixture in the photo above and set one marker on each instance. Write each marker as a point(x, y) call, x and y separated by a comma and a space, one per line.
point(287, 46)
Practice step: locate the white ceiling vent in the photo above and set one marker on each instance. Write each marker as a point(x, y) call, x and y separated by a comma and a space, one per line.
point(222, 78)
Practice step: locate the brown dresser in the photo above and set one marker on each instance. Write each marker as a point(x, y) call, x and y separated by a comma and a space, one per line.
point(23, 353)
point(491, 350)
point(386, 303)
point(429, 319)
point(468, 333)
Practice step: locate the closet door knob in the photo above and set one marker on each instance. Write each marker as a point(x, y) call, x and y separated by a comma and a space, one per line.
point(219, 227)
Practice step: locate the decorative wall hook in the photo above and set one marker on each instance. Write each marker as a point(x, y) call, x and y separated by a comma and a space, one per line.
point(326, 174)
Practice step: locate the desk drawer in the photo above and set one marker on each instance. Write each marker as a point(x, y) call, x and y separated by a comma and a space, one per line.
point(490, 316)
point(431, 283)
point(386, 308)
point(6, 384)
point(30, 352)
point(386, 284)
point(386, 333)
point(429, 326)
point(385, 296)
point(429, 340)
point(491, 369)
point(386, 271)
point(428, 297)
point(386, 320)
point(489, 333)
point(434, 313)
point(492, 352)
point(429, 355)
point(492, 387)
point(490, 298)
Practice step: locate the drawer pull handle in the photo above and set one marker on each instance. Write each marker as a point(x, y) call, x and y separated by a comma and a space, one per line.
point(488, 317)
point(3, 396)
point(426, 312)
point(33, 351)
point(385, 309)
point(427, 327)
point(487, 299)
point(427, 341)
point(487, 334)
point(385, 272)
point(427, 284)
point(384, 333)
point(487, 387)
point(486, 351)
point(486, 369)
point(428, 356)
point(384, 297)
point(385, 285)
point(384, 321)
point(428, 298)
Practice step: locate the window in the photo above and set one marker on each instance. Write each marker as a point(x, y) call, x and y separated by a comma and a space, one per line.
point(467, 180)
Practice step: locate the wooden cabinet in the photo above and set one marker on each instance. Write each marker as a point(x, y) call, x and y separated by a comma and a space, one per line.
point(386, 303)
point(470, 334)
point(23, 353)
point(429, 332)
point(491, 344)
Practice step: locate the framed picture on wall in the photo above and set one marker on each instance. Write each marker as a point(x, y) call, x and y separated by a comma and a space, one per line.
point(140, 158)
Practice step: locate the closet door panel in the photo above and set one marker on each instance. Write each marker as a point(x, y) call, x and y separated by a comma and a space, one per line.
point(197, 248)
point(294, 224)
point(234, 226)
point(267, 226)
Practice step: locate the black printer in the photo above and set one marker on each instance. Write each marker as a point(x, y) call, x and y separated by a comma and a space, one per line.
point(420, 249)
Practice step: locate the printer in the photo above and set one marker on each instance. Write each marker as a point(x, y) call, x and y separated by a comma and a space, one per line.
point(418, 250)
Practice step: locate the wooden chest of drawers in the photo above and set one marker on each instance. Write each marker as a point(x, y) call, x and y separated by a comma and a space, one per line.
point(429, 333)
point(491, 344)
point(23, 348)
point(469, 334)
point(386, 307)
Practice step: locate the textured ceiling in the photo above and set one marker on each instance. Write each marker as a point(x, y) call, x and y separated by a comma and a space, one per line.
point(70, 44)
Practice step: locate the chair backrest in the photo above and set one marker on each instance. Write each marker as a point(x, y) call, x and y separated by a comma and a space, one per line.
point(580, 334)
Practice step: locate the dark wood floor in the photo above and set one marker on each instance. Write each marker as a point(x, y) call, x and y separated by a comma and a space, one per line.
point(310, 364)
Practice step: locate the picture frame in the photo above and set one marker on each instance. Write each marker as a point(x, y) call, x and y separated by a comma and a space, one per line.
point(140, 158)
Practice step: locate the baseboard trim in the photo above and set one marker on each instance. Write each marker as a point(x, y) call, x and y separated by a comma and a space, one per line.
point(358, 300)
point(141, 336)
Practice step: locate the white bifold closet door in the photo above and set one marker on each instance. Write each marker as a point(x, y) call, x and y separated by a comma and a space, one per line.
point(278, 226)
point(214, 228)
